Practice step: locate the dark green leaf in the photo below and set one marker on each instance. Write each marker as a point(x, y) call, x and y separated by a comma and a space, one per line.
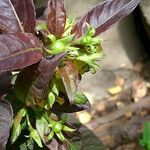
point(18, 50)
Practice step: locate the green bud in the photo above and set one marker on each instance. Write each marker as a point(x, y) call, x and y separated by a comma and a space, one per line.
point(57, 127)
point(54, 88)
point(51, 99)
point(91, 32)
point(57, 47)
point(86, 40)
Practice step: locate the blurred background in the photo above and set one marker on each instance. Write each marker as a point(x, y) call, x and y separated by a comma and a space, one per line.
point(119, 92)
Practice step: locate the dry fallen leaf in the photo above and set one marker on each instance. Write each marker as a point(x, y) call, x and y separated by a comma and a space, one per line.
point(84, 117)
point(138, 67)
point(115, 90)
point(119, 80)
point(120, 104)
point(128, 114)
point(131, 146)
point(148, 84)
point(144, 113)
point(101, 106)
point(139, 89)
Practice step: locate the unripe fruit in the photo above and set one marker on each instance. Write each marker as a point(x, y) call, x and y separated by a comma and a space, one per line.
point(87, 39)
point(57, 127)
point(57, 47)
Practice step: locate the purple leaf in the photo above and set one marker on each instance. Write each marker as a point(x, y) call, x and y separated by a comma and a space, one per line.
point(45, 72)
point(32, 82)
point(18, 50)
point(24, 81)
point(9, 21)
point(5, 82)
point(104, 15)
point(26, 13)
point(56, 19)
point(69, 75)
point(6, 117)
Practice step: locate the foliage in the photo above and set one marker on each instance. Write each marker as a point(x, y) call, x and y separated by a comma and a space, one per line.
point(145, 141)
point(41, 64)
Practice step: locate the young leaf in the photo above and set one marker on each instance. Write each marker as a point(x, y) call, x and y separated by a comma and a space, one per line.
point(35, 136)
point(80, 99)
point(26, 13)
point(56, 19)
point(6, 116)
point(69, 75)
point(15, 132)
point(9, 21)
point(104, 15)
point(51, 98)
point(18, 50)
